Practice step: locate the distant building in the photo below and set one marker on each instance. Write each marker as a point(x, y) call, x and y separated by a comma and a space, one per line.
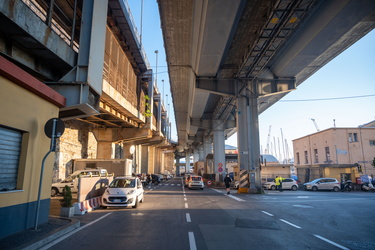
point(342, 153)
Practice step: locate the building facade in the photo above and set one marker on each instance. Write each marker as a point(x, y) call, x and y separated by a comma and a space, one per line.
point(342, 153)
point(27, 104)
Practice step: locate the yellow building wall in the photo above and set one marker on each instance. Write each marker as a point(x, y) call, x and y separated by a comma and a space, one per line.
point(25, 111)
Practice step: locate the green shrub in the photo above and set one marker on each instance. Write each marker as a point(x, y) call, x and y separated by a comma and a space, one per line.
point(67, 200)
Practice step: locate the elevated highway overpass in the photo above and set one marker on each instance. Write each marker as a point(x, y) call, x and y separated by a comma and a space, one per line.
point(231, 60)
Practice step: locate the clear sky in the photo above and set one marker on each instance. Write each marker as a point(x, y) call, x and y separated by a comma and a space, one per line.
point(351, 74)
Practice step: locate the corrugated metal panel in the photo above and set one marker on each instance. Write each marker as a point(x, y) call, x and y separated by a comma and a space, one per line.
point(10, 149)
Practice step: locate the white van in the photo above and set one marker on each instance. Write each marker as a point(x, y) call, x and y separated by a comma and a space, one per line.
point(72, 182)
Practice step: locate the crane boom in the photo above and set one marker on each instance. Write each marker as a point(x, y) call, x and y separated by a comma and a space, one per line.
point(268, 140)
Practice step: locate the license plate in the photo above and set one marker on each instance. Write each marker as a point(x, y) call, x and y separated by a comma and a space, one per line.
point(116, 200)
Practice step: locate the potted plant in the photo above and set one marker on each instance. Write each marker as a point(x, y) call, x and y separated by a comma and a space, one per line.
point(67, 210)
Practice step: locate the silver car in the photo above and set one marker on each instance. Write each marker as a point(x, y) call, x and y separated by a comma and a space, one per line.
point(323, 184)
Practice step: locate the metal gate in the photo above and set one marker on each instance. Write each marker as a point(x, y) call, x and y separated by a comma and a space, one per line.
point(10, 150)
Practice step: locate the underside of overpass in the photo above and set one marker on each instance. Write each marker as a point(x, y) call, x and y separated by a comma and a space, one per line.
point(227, 58)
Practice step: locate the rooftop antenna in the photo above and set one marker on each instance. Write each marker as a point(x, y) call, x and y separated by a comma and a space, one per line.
point(316, 125)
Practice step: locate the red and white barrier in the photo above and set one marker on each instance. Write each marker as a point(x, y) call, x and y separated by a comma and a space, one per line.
point(85, 206)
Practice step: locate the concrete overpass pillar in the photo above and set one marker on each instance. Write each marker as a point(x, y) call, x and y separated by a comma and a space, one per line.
point(187, 161)
point(248, 139)
point(207, 146)
point(201, 156)
point(151, 159)
point(104, 150)
point(177, 166)
point(219, 148)
point(144, 159)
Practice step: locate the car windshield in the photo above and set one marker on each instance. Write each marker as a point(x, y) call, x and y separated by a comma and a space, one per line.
point(196, 178)
point(122, 183)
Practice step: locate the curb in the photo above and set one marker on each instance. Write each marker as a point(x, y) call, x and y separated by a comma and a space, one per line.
point(55, 234)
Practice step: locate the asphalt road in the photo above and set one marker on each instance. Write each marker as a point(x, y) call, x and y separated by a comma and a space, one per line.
point(176, 218)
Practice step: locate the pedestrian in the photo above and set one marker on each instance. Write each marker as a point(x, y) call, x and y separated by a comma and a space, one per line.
point(279, 183)
point(227, 181)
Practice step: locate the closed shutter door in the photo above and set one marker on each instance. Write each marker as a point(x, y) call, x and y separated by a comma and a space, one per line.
point(10, 149)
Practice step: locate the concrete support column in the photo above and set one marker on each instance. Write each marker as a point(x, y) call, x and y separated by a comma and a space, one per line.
point(207, 146)
point(151, 159)
point(187, 161)
point(104, 150)
point(195, 155)
point(242, 141)
point(219, 147)
point(248, 138)
point(201, 156)
point(144, 159)
point(177, 166)
point(254, 160)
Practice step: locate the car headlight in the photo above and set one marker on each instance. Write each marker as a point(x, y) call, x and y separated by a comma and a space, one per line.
point(131, 192)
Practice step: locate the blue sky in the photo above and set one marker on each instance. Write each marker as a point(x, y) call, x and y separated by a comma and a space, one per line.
point(350, 74)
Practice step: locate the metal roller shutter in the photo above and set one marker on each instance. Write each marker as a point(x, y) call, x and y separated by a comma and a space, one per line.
point(10, 149)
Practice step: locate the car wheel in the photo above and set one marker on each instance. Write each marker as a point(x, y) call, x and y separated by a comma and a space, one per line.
point(273, 187)
point(314, 188)
point(54, 192)
point(136, 203)
point(104, 207)
point(294, 188)
point(201, 188)
point(336, 189)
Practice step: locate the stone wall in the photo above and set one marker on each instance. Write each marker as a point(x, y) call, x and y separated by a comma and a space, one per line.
point(77, 142)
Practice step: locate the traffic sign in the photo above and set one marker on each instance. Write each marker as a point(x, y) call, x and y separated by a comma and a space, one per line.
point(220, 169)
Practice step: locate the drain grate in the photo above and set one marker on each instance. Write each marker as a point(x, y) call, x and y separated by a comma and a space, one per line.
point(258, 224)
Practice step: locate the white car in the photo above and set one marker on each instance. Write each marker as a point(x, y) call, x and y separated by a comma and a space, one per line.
point(288, 183)
point(72, 182)
point(195, 182)
point(123, 192)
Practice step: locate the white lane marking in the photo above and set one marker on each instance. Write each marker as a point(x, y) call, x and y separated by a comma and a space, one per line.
point(287, 222)
point(330, 242)
point(185, 195)
point(267, 213)
point(236, 198)
point(188, 219)
point(302, 197)
point(303, 206)
point(192, 241)
point(185, 199)
point(179, 185)
point(186, 205)
point(51, 244)
point(217, 190)
point(172, 184)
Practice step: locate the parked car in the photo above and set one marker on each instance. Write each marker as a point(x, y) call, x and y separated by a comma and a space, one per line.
point(195, 182)
point(70, 181)
point(288, 183)
point(323, 184)
point(124, 191)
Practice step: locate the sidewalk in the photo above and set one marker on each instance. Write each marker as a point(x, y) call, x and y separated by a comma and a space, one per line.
point(47, 232)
